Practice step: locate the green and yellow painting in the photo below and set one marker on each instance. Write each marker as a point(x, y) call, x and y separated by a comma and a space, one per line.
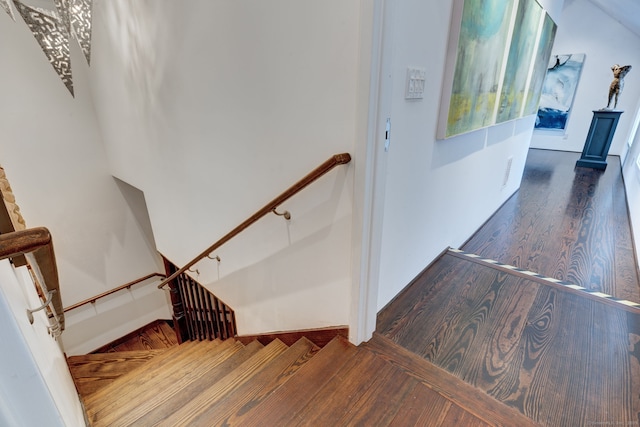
point(520, 60)
point(482, 44)
point(547, 37)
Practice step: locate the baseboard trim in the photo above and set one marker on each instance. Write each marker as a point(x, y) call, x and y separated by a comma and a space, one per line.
point(319, 337)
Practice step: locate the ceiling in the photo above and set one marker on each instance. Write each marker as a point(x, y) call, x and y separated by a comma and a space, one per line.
point(627, 12)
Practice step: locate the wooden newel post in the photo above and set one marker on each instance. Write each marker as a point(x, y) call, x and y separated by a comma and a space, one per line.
point(179, 318)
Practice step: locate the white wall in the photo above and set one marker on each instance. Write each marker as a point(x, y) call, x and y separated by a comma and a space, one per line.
point(52, 152)
point(187, 97)
point(214, 109)
point(94, 325)
point(36, 388)
point(631, 173)
point(438, 193)
point(587, 29)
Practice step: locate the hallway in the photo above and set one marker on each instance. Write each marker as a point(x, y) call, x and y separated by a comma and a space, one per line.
point(566, 223)
point(560, 356)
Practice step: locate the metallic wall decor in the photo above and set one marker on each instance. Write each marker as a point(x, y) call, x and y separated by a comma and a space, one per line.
point(53, 30)
point(53, 37)
point(62, 7)
point(7, 7)
point(81, 22)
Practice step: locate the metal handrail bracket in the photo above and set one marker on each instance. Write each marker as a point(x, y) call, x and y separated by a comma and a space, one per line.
point(36, 244)
point(272, 206)
point(128, 285)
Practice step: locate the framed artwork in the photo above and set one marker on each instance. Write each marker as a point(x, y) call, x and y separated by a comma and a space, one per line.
point(545, 44)
point(516, 74)
point(558, 91)
point(496, 61)
point(478, 41)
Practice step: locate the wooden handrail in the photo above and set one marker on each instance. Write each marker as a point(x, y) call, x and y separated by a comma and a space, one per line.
point(333, 161)
point(38, 242)
point(113, 291)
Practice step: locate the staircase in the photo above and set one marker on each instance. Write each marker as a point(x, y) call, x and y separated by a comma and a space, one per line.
point(216, 383)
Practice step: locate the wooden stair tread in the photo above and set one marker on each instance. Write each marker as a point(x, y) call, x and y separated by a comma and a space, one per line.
point(282, 406)
point(91, 357)
point(462, 394)
point(92, 372)
point(380, 401)
point(249, 394)
point(421, 407)
point(164, 336)
point(157, 335)
point(140, 374)
point(107, 363)
point(221, 388)
point(225, 383)
point(161, 412)
point(338, 395)
point(134, 398)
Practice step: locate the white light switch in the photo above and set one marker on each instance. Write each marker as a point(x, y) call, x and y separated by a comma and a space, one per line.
point(415, 83)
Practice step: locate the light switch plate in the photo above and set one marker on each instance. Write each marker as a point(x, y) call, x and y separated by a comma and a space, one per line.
point(415, 83)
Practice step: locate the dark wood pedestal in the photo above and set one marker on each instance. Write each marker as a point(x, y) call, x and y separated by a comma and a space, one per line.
point(596, 148)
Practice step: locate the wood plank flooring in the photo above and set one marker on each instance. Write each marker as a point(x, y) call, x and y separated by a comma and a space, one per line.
point(467, 343)
point(567, 223)
point(559, 358)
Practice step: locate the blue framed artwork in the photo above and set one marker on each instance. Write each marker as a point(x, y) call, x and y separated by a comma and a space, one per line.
point(559, 91)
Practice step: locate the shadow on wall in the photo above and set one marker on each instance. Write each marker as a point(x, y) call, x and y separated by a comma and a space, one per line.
point(136, 201)
point(293, 284)
point(451, 150)
point(447, 151)
point(135, 32)
point(313, 211)
point(94, 325)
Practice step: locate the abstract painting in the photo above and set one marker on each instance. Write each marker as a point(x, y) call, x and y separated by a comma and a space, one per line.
point(545, 43)
point(480, 53)
point(558, 91)
point(523, 43)
point(496, 63)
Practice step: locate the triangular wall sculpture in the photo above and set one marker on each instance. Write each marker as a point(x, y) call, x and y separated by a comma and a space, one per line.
point(7, 7)
point(54, 28)
point(81, 22)
point(62, 6)
point(53, 37)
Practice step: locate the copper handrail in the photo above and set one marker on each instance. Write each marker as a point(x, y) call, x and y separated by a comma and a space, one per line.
point(333, 161)
point(113, 291)
point(37, 241)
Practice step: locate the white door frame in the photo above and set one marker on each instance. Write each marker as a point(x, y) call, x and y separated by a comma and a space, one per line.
point(370, 174)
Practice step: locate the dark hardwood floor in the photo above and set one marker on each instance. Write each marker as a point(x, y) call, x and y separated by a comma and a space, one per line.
point(567, 223)
point(561, 357)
